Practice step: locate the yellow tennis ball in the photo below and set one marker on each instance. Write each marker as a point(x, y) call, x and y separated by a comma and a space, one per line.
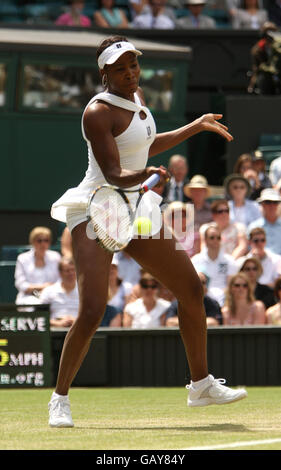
point(142, 225)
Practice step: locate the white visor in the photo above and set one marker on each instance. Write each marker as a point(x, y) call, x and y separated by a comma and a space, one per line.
point(113, 52)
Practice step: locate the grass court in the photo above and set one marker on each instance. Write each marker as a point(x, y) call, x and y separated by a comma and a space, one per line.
point(140, 419)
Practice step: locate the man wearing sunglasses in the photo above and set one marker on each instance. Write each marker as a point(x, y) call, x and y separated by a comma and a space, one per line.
point(270, 220)
point(271, 262)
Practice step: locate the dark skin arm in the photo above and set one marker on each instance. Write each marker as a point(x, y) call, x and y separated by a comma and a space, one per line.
point(100, 123)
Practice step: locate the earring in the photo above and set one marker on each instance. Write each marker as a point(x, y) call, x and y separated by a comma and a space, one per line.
point(104, 81)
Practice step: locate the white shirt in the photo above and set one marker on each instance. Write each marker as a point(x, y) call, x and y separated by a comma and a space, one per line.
point(144, 319)
point(217, 270)
point(61, 302)
point(27, 273)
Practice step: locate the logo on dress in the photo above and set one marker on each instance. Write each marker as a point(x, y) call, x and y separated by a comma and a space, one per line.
point(148, 130)
point(118, 46)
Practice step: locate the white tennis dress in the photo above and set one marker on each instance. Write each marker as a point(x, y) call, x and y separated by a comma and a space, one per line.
point(133, 145)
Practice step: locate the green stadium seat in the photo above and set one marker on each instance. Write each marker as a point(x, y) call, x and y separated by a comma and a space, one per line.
point(270, 146)
point(11, 252)
point(270, 140)
point(8, 292)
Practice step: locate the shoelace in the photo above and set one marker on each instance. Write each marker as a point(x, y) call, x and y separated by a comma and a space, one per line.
point(60, 407)
point(219, 382)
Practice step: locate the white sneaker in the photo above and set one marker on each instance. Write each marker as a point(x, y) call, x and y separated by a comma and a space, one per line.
point(213, 392)
point(59, 413)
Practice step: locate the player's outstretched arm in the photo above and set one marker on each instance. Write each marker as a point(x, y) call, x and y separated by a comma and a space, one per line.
point(207, 122)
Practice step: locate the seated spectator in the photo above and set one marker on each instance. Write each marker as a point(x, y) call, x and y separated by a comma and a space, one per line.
point(240, 306)
point(271, 262)
point(245, 167)
point(269, 220)
point(237, 191)
point(138, 7)
point(216, 264)
point(249, 16)
point(62, 296)
point(196, 19)
point(178, 168)
point(154, 18)
point(198, 191)
point(179, 218)
point(119, 291)
point(259, 166)
point(36, 268)
point(212, 308)
point(109, 16)
point(233, 235)
point(74, 17)
point(264, 74)
point(148, 311)
point(253, 269)
point(275, 171)
point(273, 314)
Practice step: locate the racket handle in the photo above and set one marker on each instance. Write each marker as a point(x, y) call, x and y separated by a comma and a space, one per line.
point(150, 182)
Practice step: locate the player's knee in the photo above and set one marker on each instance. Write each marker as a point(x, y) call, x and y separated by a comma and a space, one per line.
point(90, 316)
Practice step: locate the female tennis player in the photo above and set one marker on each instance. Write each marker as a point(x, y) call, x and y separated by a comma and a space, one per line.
point(120, 134)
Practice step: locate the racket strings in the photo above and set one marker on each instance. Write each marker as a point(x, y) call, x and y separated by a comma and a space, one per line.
point(111, 219)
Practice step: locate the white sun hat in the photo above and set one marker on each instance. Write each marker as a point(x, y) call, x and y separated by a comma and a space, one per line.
point(113, 52)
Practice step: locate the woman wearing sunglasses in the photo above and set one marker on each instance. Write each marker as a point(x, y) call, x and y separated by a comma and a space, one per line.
point(148, 311)
point(240, 307)
point(253, 269)
point(36, 268)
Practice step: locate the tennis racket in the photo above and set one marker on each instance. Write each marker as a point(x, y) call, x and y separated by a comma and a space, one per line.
point(111, 213)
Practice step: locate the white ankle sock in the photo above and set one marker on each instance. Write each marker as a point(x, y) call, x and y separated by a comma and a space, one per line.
point(56, 395)
point(200, 383)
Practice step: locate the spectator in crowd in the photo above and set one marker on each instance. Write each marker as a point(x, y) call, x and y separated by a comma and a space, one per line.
point(259, 166)
point(36, 268)
point(138, 7)
point(179, 217)
point(196, 19)
point(66, 243)
point(148, 311)
point(119, 291)
point(241, 307)
point(243, 163)
point(178, 168)
point(128, 269)
point(198, 191)
point(233, 235)
point(63, 295)
point(269, 220)
point(274, 11)
point(273, 313)
point(217, 265)
point(249, 15)
point(271, 262)
point(63, 299)
point(74, 17)
point(244, 166)
point(275, 171)
point(253, 269)
point(238, 190)
point(155, 18)
point(212, 308)
point(264, 75)
point(109, 16)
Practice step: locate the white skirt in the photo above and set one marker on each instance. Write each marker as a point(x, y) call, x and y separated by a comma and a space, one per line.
point(149, 207)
